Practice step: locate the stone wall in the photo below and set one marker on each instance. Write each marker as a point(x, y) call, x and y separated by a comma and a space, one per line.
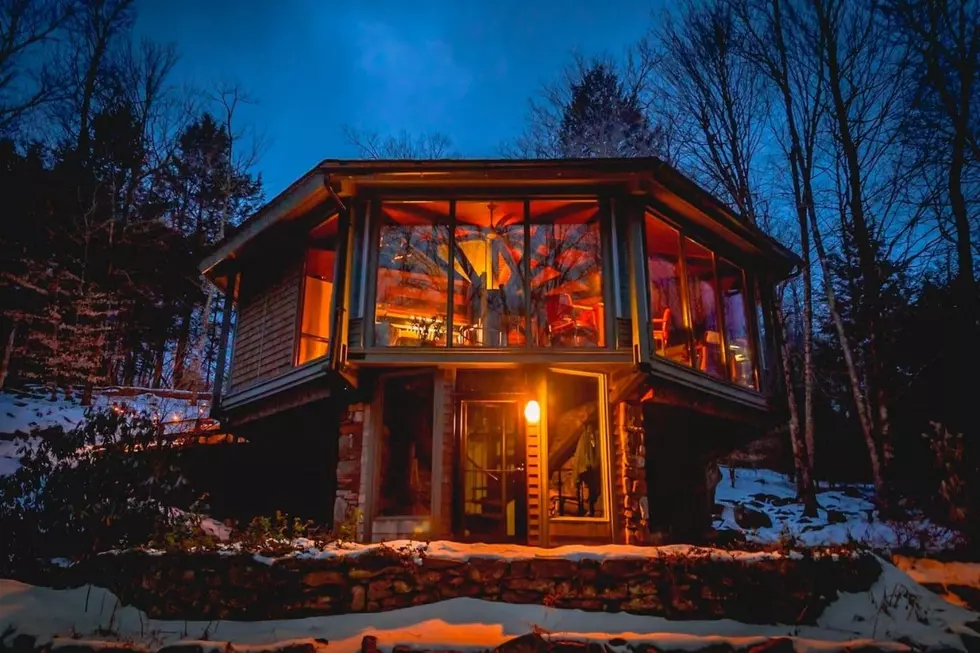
point(690, 586)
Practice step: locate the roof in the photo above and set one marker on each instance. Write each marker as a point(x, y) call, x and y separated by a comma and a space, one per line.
point(312, 190)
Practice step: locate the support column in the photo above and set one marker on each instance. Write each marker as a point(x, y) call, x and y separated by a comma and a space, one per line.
point(219, 372)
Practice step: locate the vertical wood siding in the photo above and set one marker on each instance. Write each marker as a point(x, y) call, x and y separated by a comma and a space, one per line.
point(266, 331)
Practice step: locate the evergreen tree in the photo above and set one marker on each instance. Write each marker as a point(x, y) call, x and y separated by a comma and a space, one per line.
point(603, 120)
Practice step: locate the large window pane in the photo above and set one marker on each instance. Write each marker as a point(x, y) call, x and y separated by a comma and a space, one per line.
point(488, 274)
point(667, 325)
point(567, 307)
point(702, 291)
point(314, 335)
point(763, 339)
point(405, 446)
point(413, 274)
point(735, 310)
point(575, 446)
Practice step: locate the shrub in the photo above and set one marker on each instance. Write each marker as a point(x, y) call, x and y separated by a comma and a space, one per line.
point(959, 489)
point(109, 483)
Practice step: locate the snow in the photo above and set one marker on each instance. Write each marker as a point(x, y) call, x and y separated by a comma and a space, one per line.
point(774, 494)
point(23, 413)
point(952, 576)
point(449, 550)
point(896, 608)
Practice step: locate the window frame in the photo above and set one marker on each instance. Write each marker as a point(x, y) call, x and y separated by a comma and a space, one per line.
point(605, 452)
point(373, 234)
point(684, 233)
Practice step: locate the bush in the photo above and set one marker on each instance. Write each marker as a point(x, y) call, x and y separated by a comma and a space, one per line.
point(109, 483)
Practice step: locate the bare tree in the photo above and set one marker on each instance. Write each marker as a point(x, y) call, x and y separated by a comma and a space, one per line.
point(371, 145)
point(714, 87)
point(944, 36)
point(26, 81)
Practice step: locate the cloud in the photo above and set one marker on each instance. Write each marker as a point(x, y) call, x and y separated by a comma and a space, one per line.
point(409, 74)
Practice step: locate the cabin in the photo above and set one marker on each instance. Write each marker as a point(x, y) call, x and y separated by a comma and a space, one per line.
point(541, 352)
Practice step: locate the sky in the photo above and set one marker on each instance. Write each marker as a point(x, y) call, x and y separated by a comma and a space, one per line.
point(465, 68)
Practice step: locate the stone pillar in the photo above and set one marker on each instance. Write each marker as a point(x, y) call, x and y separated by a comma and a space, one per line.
point(349, 466)
point(629, 427)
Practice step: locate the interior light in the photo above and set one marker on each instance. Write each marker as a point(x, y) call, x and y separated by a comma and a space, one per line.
point(532, 412)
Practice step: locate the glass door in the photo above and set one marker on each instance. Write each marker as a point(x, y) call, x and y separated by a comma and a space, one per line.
point(492, 488)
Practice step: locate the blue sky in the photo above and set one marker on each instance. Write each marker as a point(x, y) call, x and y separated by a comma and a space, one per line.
point(465, 68)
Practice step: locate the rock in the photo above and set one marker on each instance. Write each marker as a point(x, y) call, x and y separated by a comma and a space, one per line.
point(529, 643)
point(553, 568)
point(567, 646)
point(324, 577)
point(24, 643)
point(378, 589)
point(751, 519)
point(358, 598)
point(970, 643)
point(401, 587)
point(369, 644)
point(541, 585)
point(617, 641)
point(297, 647)
point(622, 567)
point(836, 517)
point(775, 645)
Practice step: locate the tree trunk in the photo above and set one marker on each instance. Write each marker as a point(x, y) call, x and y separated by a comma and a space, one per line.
point(804, 479)
point(181, 352)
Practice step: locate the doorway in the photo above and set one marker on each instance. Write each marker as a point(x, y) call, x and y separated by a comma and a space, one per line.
point(492, 490)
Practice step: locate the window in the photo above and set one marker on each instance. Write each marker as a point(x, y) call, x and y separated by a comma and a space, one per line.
point(318, 270)
point(763, 339)
point(488, 275)
point(567, 305)
point(702, 292)
point(576, 446)
point(405, 470)
point(735, 311)
point(413, 275)
point(667, 324)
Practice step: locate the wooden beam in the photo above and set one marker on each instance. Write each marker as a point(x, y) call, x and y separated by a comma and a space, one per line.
point(219, 372)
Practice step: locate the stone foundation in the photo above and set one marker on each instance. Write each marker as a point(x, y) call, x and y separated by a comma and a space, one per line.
point(691, 585)
point(351, 435)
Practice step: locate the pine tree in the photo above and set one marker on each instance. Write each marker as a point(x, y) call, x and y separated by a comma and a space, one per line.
point(603, 120)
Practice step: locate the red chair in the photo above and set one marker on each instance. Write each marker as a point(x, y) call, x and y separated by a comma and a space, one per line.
point(661, 331)
point(563, 322)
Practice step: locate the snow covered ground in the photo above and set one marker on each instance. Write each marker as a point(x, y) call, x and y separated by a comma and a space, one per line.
point(896, 608)
point(846, 515)
point(22, 413)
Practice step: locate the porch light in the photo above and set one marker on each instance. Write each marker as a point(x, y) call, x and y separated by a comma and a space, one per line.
point(532, 412)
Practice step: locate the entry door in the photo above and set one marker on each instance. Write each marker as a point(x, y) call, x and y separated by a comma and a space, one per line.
point(492, 490)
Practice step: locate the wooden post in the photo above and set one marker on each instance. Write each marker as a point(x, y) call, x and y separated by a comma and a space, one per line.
point(219, 373)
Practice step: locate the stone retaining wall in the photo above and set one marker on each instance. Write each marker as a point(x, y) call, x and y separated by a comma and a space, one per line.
point(696, 586)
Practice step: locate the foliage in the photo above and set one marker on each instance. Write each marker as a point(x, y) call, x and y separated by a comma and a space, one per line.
point(107, 484)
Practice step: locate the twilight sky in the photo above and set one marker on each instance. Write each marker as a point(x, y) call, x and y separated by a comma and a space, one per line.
point(462, 67)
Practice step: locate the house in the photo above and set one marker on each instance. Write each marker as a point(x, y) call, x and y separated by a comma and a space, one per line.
point(499, 350)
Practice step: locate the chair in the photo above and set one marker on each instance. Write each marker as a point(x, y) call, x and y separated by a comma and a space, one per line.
point(661, 331)
point(562, 319)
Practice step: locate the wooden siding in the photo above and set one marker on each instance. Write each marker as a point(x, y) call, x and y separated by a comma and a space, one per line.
point(266, 332)
point(535, 517)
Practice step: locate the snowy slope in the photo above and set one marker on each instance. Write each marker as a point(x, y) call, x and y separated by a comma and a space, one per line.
point(895, 608)
point(847, 514)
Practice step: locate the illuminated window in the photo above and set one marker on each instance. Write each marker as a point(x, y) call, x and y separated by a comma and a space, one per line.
point(667, 324)
point(314, 333)
point(567, 306)
point(702, 293)
point(488, 274)
point(577, 467)
point(405, 446)
point(413, 275)
point(735, 310)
